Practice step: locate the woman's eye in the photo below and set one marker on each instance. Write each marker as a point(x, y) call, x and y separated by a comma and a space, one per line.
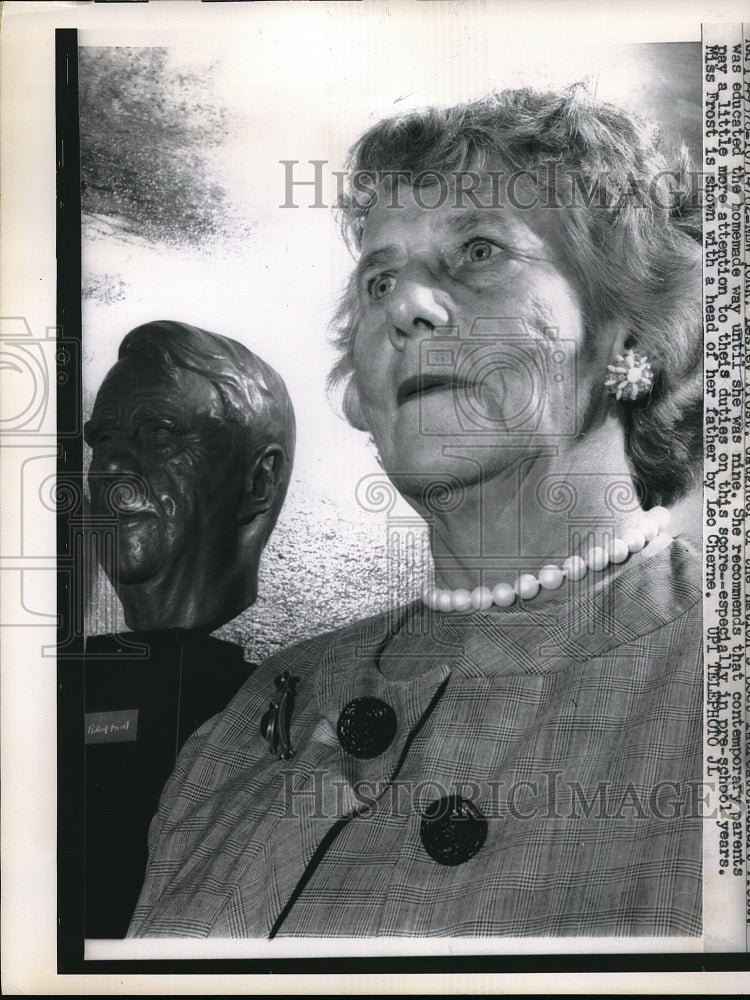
point(381, 286)
point(481, 250)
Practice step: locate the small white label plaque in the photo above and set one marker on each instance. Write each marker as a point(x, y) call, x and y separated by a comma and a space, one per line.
point(112, 727)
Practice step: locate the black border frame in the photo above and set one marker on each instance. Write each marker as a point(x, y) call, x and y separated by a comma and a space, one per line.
point(70, 750)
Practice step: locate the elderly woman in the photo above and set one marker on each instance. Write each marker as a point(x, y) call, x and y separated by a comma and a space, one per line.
point(520, 752)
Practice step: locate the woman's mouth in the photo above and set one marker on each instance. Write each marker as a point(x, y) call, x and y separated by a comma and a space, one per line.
point(421, 385)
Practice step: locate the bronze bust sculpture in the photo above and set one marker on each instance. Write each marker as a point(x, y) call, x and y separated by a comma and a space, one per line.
point(193, 441)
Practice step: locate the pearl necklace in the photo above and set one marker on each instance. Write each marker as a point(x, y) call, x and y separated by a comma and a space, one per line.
point(550, 577)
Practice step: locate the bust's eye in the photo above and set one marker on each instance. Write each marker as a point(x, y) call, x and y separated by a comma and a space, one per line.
point(379, 287)
point(480, 250)
point(159, 435)
point(98, 435)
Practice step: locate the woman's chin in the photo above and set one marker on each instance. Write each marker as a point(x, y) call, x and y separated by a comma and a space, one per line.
point(465, 458)
point(431, 481)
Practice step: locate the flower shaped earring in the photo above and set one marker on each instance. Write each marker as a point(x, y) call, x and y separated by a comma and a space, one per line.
point(630, 377)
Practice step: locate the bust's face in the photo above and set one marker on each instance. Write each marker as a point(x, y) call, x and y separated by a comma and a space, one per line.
point(164, 463)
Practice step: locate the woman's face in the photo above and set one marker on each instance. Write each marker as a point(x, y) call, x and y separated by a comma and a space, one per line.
point(468, 356)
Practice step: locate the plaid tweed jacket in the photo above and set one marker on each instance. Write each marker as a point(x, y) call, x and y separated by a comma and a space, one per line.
point(569, 732)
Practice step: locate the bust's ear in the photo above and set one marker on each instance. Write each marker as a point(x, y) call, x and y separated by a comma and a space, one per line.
point(264, 476)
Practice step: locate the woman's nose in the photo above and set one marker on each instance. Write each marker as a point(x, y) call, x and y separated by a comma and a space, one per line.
point(417, 304)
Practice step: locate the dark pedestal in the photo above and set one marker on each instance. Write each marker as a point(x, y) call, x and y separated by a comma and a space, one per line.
point(141, 705)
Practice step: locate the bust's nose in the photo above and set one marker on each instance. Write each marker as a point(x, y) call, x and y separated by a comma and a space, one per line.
point(117, 457)
point(116, 481)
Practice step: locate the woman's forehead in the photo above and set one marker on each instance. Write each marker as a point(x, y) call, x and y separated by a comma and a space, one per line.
point(454, 207)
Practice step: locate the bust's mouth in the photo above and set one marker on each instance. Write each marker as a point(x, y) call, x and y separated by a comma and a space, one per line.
point(142, 514)
point(125, 501)
point(416, 386)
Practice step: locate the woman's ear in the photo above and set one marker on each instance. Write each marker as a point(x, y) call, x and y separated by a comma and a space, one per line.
point(264, 476)
point(621, 339)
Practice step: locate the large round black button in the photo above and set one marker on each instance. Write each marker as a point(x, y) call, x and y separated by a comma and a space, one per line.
point(453, 830)
point(366, 727)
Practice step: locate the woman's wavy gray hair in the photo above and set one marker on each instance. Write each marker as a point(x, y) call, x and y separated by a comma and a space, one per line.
point(629, 222)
